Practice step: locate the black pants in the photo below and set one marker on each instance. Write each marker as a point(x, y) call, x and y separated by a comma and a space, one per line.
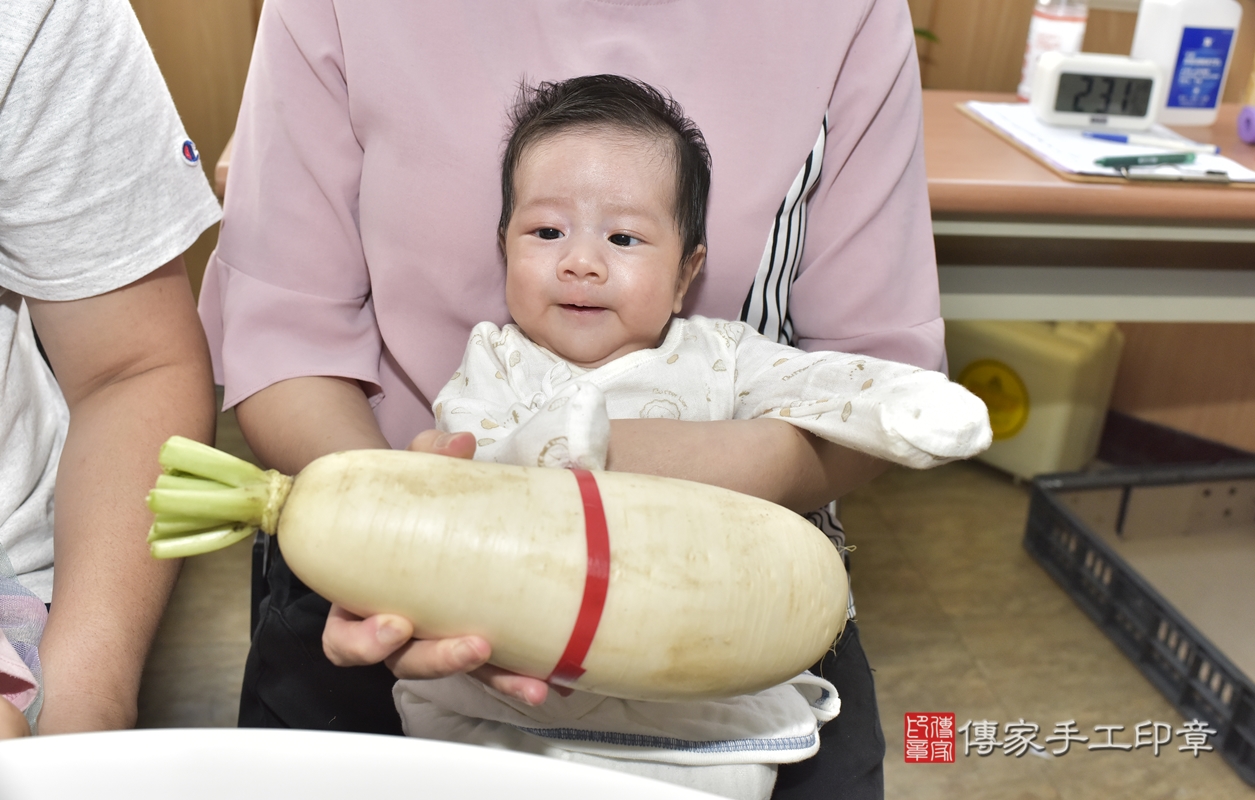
point(289, 683)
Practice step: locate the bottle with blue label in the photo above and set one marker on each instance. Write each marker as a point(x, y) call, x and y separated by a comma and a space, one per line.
point(1192, 42)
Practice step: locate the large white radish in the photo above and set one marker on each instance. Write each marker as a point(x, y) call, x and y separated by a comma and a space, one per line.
point(685, 591)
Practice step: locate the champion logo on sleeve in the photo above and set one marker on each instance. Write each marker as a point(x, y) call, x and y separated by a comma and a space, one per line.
point(189, 153)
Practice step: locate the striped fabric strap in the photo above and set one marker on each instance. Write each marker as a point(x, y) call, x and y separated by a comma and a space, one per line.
point(766, 307)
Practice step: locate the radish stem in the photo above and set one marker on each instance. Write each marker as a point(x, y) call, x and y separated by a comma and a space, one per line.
point(183, 481)
point(245, 504)
point(172, 525)
point(184, 455)
point(208, 500)
point(203, 542)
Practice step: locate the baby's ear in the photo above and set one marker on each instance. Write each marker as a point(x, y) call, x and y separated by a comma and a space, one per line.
point(689, 271)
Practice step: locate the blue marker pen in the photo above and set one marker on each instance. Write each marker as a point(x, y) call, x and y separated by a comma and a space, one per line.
point(1141, 140)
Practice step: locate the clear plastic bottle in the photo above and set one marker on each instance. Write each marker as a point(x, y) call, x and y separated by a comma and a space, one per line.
point(1192, 42)
point(1056, 26)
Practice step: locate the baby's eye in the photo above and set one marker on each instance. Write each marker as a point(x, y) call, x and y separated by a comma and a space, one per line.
point(549, 233)
point(623, 240)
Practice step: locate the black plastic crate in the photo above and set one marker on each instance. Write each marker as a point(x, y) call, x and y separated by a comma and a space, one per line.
point(1076, 524)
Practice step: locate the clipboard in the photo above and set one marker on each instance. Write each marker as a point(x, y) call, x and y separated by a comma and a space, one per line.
point(1070, 155)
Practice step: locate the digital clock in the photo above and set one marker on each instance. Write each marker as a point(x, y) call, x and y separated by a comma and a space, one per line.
point(1093, 90)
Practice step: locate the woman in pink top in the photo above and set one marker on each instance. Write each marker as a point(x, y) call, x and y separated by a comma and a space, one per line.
point(357, 252)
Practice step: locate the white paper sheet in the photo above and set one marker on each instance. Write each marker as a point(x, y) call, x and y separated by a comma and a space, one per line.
point(1068, 151)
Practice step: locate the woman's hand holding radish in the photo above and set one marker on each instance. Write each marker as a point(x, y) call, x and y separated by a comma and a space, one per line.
point(349, 640)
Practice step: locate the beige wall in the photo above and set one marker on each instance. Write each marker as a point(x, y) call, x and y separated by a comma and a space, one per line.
point(203, 49)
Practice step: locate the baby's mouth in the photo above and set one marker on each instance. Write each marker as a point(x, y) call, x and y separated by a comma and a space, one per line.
point(581, 308)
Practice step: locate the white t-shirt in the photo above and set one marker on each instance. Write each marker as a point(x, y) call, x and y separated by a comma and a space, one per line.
point(95, 193)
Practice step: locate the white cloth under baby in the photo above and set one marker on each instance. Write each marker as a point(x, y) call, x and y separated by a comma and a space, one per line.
point(708, 369)
point(728, 746)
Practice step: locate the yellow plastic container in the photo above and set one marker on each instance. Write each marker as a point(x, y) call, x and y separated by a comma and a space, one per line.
point(1047, 386)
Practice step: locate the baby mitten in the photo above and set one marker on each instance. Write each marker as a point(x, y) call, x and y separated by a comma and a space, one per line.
point(570, 430)
point(926, 415)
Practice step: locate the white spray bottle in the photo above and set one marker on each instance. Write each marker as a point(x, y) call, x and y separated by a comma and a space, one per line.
point(1192, 42)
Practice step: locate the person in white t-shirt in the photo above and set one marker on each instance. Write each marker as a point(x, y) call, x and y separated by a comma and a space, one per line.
point(101, 192)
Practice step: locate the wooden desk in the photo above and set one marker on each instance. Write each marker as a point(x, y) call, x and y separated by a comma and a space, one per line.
point(1017, 241)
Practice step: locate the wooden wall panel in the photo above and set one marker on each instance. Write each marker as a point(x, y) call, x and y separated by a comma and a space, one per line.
point(203, 48)
point(1109, 32)
point(1198, 378)
point(1241, 78)
point(981, 45)
point(922, 17)
point(981, 42)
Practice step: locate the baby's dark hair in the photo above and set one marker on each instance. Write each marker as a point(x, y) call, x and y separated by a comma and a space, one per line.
point(612, 101)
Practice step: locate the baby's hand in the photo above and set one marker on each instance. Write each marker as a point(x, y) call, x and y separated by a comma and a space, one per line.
point(12, 722)
point(571, 430)
point(938, 419)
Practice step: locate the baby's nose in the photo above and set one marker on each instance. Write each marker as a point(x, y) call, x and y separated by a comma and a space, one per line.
point(583, 262)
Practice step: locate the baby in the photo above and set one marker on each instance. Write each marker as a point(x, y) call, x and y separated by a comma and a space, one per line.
point(604, 187)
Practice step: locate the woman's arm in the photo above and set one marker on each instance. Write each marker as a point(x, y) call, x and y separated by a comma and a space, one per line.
point(766, 458)
point(293, 422)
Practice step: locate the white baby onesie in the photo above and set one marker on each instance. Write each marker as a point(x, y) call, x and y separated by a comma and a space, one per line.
point(527, 406)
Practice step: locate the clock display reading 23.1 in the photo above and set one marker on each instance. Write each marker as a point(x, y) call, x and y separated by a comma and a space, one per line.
point(1103, 94)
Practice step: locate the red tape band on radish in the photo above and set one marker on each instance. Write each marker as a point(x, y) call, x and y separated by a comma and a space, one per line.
point(596, 581)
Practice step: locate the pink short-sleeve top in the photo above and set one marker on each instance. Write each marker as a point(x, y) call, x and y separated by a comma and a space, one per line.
point(359, 237)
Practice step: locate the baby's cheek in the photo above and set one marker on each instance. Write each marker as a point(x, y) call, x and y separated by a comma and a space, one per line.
point(522, 299)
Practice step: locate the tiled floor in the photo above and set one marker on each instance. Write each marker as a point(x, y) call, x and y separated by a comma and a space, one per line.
point(954, 615)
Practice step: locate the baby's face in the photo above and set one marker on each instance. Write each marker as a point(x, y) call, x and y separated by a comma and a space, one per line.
point(592, 249)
